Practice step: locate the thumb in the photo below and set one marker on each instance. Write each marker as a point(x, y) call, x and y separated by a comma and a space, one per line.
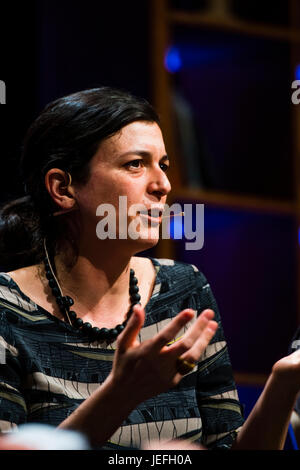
point(128, 338)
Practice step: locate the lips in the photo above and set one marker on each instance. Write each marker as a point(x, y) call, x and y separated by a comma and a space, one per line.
point(156, 213)
point(153, 214)
point(153, 211)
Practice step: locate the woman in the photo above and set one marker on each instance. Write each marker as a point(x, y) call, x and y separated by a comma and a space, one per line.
point(97, 339)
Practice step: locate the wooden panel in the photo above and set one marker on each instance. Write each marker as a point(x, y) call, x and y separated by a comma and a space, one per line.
point(234, 25)
point(162, 85)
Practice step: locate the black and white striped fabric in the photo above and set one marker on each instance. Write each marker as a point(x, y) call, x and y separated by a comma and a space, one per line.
point(47, 367)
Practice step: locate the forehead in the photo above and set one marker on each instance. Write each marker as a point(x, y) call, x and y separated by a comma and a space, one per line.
point(137, 135)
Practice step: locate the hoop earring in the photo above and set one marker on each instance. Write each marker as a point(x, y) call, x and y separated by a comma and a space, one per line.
point(70, 180)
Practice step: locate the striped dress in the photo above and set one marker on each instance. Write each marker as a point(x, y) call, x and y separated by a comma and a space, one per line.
point(47, 367)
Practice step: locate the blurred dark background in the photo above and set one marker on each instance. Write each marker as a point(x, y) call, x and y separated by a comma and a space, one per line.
point(51, 48)
point(237, 88)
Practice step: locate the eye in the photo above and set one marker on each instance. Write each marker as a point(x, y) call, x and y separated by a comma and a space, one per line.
point(134, 163)
point(164, 167)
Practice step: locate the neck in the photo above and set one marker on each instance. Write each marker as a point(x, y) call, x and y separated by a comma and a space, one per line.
point(98, 282)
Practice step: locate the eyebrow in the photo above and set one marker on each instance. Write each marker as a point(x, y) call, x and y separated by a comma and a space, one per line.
point(143, 153)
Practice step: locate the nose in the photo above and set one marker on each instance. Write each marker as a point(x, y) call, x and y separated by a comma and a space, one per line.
point(159, 183)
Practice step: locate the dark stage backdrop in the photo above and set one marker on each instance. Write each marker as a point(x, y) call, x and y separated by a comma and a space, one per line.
point(50, 48)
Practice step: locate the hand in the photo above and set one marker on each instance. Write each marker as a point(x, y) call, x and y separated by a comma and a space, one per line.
point(149, 368)
point(140, 371)
point(287, 371)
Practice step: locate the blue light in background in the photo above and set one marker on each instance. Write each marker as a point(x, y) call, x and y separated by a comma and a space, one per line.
point(189, 55)
point(177, 228)
point(216, 221)
point(173, 61)
point(297, 72)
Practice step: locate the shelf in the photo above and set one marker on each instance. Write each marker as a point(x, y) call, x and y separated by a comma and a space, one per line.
point(242, 378)
point(238, 201)
point(233, 25)
point(240, 103)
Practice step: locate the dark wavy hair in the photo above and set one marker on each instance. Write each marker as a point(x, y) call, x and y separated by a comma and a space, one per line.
point(65, 135)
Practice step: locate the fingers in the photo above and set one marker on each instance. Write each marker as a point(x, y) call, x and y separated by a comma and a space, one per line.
point(129, 336)
point(197, 337)
point(170, 331)
point(190, 347)
point(194, 332)
point(194, 353)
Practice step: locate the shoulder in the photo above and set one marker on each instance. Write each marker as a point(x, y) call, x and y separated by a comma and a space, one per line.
point(8, 288)
point(25, 276)
point(180, 272)
point(7, 299)
point(186, 282)
point(11, 296)
point(174, 265)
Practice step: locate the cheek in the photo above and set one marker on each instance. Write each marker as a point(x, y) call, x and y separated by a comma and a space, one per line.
point(97, 191)
point(131, 189)
point(103, 190)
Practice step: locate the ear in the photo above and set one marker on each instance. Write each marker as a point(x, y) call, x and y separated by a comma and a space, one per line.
point(60, 188)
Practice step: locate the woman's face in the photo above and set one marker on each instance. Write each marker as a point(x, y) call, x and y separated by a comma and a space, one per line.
point(132, 163)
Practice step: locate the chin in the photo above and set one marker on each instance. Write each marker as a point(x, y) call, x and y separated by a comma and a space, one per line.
point(146, 243)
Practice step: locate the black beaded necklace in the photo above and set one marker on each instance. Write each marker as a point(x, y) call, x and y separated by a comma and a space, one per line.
point(64, 303)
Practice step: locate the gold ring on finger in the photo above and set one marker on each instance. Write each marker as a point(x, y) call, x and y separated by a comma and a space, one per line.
point(183, 366)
